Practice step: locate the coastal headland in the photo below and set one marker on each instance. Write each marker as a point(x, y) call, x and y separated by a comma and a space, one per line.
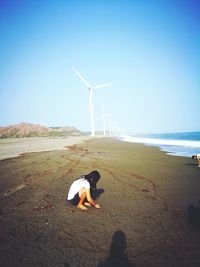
point(144, 196)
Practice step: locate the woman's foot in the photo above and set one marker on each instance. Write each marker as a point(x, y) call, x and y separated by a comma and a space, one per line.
point(81, 207)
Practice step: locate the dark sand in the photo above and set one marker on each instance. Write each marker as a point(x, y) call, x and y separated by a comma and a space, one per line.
point(143, 220)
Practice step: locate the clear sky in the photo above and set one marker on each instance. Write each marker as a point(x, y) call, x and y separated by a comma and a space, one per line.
point(148, 49)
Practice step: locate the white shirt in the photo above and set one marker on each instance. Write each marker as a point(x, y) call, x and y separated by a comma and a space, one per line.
point(76, 186)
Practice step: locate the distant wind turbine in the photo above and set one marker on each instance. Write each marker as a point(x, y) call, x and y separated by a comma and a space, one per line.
point(91, 88)
point(105, 117)
point(109, 122)
point(102, 116)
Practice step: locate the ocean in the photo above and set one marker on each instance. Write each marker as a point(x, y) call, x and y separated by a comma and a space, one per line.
point(184, 144)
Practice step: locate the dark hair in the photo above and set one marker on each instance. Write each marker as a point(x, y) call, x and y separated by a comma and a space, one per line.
point(93, 177)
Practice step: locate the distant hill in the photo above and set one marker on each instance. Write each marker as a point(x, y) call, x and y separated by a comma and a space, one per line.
point(25, 129)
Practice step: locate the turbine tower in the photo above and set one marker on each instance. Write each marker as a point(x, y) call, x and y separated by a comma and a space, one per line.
point(109, 123)
point(91, 88)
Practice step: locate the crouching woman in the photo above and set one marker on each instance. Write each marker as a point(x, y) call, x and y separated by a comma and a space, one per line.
point(80, 191)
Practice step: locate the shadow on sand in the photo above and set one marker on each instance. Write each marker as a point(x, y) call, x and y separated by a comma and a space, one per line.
point(95, 193)
point(194, 216)
point(191, 164)
point(117, 256)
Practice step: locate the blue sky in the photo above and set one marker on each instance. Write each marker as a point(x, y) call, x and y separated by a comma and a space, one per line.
point(148, 49)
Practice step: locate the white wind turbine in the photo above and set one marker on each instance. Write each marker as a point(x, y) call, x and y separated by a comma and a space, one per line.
point(104, 115)
point(91, 88)
point(109, 123)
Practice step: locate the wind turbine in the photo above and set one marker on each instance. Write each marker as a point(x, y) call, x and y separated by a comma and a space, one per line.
point(102, 116)
point(91, 88)
point(109, 123)
point(106, 117)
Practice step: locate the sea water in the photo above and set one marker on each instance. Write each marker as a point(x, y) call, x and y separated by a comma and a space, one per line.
point(183, 144)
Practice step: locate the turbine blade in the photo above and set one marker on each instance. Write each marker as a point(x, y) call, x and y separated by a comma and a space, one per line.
point(101, 85)
point(82, 79)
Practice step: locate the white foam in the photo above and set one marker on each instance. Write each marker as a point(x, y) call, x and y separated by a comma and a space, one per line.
point(154, 141)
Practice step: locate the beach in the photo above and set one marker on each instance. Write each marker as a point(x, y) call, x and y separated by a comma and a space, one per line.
point(144, 196)
point(13, 147)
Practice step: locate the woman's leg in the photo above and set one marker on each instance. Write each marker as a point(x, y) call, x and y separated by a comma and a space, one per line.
point(82, 195)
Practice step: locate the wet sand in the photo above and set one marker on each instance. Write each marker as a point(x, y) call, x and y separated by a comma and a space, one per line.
point(144, 196)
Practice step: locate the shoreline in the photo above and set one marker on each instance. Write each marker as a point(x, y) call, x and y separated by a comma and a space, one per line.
point(15, 147)
point(173, 147)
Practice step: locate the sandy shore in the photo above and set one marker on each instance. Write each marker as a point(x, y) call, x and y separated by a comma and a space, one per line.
point(13, 147)
point(143, 221)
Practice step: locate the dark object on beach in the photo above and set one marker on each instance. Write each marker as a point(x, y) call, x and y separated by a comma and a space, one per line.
point(194, 216)
point(197, 157)
point(117, 256)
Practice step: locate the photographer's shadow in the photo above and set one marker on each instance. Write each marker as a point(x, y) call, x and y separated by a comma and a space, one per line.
point(117, 256)
point(194, 216)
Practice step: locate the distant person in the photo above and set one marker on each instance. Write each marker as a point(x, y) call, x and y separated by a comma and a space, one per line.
point(197, 157)
point(80, 192)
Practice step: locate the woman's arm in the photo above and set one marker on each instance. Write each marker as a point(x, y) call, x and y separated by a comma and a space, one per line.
point(90, 200)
